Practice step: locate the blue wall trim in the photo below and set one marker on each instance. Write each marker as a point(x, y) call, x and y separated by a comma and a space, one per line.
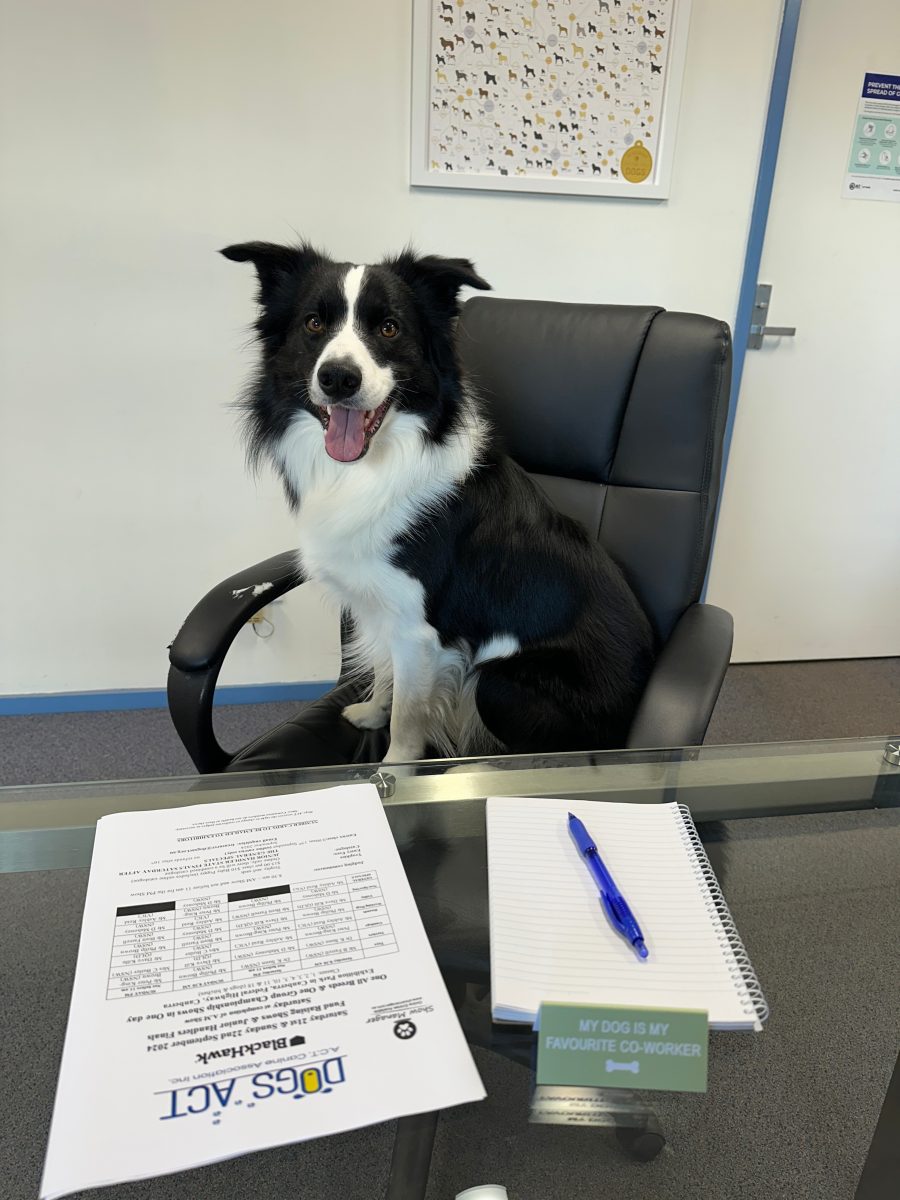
point(759, 217)
point(132, 698)
point(781, 78)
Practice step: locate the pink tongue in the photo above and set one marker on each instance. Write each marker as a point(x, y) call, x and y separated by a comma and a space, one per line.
point(345, 437)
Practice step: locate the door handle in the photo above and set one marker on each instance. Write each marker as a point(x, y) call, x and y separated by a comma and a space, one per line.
point(758, 328)
point(773, 330)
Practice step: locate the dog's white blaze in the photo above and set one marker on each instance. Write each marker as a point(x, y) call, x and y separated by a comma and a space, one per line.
point(352, 287)
point(377, 381)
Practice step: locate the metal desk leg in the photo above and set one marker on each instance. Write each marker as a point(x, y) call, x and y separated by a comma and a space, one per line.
point(411, 1158)
point(643, 1141)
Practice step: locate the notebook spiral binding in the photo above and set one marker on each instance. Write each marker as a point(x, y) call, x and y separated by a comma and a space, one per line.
point(729, 939)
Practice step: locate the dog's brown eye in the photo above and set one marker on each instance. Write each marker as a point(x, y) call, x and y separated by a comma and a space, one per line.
point(314, 323)
point(389, 328)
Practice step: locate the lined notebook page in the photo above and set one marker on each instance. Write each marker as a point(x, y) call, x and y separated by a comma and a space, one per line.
point(550, 939)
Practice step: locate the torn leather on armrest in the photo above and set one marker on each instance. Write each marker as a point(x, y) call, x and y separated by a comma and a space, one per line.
point(213, 623)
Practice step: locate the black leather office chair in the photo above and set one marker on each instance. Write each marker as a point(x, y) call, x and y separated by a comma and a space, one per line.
point(618, 413)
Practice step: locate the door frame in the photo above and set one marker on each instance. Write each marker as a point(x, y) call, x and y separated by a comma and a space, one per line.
point(759, 218)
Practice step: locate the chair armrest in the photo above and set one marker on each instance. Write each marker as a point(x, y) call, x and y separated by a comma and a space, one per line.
point(198, 651)
point(682, 692)
point(212, 625)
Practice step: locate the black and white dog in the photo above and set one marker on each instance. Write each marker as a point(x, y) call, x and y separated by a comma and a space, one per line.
point(489, 621)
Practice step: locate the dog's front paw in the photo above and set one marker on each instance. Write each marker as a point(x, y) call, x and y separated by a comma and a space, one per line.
point(367, 715)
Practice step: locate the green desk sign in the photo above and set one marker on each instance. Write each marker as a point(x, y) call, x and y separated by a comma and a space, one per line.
point(662, 1049)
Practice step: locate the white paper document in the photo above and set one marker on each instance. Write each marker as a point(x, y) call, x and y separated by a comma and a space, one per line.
point(249, 974)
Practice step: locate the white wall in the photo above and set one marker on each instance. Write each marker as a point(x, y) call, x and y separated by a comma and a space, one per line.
point(806, 556)
point(137, 139)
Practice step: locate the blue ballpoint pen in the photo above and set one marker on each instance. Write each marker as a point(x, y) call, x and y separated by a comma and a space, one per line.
point(620, 915)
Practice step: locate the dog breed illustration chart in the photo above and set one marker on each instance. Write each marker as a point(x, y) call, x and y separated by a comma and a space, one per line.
point(538, 91)
point(245, 935)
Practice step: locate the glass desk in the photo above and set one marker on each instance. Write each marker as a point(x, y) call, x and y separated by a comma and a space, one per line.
point(805, 840)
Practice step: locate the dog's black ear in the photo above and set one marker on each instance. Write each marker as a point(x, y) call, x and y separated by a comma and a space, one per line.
point(450, 274)
point(442, 278)
point(280, 269)
point(275, 265)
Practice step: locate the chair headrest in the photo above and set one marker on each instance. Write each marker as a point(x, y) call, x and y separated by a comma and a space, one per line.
point(555, 377)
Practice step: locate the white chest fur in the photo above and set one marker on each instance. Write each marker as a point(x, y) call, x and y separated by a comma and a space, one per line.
point(351, 513)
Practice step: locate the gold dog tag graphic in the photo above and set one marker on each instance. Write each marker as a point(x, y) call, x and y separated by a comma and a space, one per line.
point(636, 163)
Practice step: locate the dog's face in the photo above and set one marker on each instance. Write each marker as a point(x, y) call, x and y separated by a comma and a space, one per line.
point(351, 345)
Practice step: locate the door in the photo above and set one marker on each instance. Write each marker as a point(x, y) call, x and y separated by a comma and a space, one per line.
point(807, 551)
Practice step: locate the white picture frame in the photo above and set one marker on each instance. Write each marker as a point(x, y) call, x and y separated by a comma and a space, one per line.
point(487, 82)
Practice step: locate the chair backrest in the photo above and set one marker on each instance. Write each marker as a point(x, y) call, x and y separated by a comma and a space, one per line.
point(618, 412)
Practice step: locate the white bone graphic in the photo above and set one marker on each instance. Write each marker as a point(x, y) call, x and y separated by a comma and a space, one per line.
point(633, 1067)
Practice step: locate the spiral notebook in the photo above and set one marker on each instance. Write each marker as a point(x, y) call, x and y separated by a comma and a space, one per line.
point(550, 939)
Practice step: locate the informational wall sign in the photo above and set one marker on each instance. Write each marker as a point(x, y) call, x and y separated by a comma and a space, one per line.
point(873, 172)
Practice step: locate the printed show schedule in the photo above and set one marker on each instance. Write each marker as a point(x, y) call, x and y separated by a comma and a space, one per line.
point(278, 930)
point(211, 934)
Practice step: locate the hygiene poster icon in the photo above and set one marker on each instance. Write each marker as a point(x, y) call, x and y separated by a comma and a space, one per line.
point(873, 169)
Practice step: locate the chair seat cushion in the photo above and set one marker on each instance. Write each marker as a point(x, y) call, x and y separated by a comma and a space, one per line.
point(318, 736)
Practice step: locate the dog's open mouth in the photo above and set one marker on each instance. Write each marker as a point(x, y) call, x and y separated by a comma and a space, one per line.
point(348, 431)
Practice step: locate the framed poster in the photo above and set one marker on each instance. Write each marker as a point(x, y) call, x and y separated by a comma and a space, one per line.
point(547, 95)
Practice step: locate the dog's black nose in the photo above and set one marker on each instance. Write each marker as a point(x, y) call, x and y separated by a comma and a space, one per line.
point(339, 378)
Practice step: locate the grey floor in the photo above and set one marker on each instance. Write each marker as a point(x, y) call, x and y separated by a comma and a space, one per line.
point(761, 702)
point(477, 1143)
point(758, 703)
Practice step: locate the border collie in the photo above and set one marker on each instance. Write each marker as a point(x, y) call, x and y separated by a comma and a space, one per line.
point(487, 621)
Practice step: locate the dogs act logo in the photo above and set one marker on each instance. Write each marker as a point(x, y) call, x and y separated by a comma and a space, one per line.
point(297, 1083)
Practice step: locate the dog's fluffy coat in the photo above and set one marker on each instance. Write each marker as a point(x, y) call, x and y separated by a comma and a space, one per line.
point(489, 620)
